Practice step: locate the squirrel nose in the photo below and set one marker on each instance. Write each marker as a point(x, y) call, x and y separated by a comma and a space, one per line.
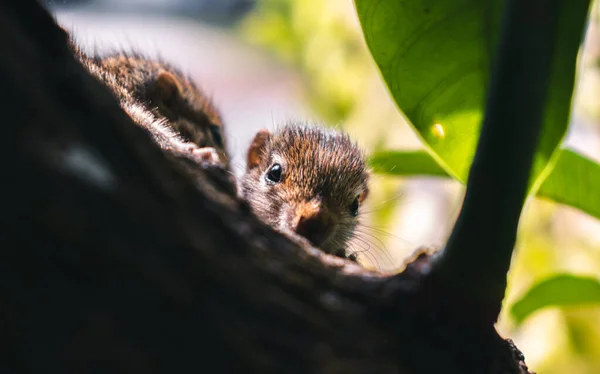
point(314, 224)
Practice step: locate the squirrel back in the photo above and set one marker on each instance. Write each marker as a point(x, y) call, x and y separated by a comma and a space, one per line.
point(158, 97)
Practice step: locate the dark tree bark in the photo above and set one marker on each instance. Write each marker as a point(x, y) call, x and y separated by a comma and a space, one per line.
point(112, 260)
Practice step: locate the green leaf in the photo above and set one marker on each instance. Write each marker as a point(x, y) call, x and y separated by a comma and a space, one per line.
point(434, 57)
point(405, 164)
point(560, 291)
point(574, 181)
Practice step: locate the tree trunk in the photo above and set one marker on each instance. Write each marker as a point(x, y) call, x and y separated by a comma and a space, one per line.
point(114, 261)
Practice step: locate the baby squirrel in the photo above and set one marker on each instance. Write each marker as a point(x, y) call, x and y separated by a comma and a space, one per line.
point(304, 181)
point(307, 181)
point(159, 98)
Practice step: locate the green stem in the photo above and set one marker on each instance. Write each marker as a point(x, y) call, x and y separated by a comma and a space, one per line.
point(478, 253)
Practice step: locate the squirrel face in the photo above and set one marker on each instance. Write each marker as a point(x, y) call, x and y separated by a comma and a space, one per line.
point(186, 109)
point(308, 181)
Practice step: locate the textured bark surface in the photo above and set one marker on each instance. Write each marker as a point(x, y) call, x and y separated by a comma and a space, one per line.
point(113, 261)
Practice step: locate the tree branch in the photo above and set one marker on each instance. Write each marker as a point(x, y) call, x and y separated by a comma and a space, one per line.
point(113, 260)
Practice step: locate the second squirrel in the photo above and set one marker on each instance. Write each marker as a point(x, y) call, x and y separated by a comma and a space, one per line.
point(164, 101)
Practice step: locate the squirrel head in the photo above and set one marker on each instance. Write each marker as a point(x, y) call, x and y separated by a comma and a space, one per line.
point(187, 109)
point(307, 180)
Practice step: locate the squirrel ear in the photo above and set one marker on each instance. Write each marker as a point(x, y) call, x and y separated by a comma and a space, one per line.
point(166, 88)
point(257, 148)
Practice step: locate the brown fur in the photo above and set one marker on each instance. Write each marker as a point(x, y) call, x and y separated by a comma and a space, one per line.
point(161, 99)
point(323, 172)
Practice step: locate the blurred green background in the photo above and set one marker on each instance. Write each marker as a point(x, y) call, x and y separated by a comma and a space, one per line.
point(308, 59)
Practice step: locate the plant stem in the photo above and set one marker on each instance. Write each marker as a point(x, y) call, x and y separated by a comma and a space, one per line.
point(478, 253)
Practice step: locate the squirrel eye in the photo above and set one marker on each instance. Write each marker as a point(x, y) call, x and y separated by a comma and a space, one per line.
point(274, 174)
point(215, 132)
point(354, 207)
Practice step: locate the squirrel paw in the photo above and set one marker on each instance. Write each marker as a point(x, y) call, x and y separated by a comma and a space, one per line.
point(206, 156)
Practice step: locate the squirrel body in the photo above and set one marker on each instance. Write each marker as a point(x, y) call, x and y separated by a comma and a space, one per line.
point(164, 101)
point(159, 98)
